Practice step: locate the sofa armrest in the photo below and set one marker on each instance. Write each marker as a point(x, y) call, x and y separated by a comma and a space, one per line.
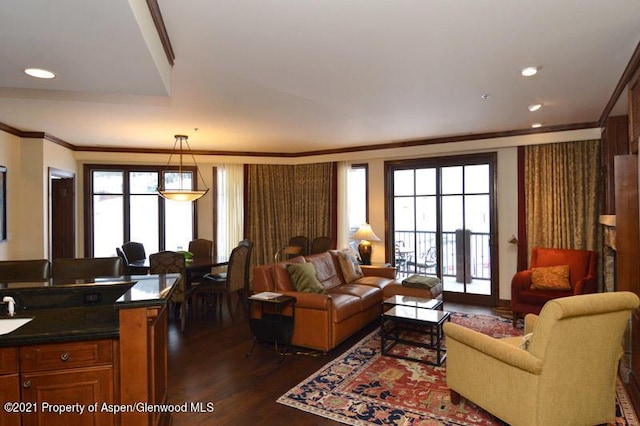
point(520, 281)
point(310, 300)
point(379, 271)
point(495, 348)
point(586, 285)
point(529, 323)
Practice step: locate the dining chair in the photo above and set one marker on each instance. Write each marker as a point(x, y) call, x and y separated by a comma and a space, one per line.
point(201, 247)
point(125, 262)
point(134, 252)
point(236, 279)
point(68, 270)
point(302, 242)
point(25, 271)
point(321, 244)
point(167, 262)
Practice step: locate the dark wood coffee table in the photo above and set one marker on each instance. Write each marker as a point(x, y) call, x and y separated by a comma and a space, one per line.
point(407, 318)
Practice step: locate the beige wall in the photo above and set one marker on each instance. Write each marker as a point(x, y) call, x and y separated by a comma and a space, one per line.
point(28, 218)
point(28, 162)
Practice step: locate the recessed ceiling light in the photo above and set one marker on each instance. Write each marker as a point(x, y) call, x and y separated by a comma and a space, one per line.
point(39, 73)
point(536, 125)
point(529, 71)
point(534, 107)
point(485, 97)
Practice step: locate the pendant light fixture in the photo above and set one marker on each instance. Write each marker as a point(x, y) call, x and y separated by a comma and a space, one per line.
point(181, 193)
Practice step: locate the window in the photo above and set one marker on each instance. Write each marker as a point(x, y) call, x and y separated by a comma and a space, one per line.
point(121, 204)
point(358, 196)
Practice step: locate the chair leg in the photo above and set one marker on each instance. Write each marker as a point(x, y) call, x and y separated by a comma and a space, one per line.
point(228, 296)
point(455, 397)
point(516, 316)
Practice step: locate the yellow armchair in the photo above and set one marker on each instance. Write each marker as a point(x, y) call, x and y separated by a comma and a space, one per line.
point(567, 374)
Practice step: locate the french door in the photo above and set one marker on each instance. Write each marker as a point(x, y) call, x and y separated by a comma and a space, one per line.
point(442, 222)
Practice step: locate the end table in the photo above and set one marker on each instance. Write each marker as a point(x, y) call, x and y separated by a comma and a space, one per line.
point(272, 325)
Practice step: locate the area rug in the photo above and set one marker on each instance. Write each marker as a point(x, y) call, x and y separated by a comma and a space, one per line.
point(361, 387)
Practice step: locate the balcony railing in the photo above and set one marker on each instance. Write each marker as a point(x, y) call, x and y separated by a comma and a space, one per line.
point(416, 253)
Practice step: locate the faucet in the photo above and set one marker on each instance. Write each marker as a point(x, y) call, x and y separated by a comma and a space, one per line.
point(11, 305)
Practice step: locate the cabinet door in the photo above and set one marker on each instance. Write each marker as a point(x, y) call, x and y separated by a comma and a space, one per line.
point(78, 387)
point(9, 392)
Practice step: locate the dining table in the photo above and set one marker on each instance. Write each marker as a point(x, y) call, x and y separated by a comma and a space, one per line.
point(194, 267)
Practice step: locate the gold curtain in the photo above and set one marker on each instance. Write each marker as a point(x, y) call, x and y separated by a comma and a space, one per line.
point(284, 201)
point(562, 184)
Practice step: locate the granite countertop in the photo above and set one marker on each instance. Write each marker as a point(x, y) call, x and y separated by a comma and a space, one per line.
point(81, 311)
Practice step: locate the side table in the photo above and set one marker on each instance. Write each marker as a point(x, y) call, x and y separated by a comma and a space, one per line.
point(272, 324)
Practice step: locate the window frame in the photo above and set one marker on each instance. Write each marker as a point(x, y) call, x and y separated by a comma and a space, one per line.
point(89, 224)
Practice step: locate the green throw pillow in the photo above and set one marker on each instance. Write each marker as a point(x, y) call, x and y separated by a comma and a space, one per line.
point(303, 276)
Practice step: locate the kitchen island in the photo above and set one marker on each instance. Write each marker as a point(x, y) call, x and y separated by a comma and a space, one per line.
point(96, 351)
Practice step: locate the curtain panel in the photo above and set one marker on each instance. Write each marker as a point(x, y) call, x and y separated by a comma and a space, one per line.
point(288, 200)
point(562, 184)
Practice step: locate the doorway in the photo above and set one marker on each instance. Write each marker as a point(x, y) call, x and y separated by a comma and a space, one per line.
point(62, 230)
point(441, 215)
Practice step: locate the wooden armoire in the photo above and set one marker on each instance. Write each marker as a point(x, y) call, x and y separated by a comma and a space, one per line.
point(624, 202)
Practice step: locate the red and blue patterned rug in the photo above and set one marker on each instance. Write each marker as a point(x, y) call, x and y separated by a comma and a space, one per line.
point(361, 387)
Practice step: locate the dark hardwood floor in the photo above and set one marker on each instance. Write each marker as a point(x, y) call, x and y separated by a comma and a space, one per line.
point(207, 364)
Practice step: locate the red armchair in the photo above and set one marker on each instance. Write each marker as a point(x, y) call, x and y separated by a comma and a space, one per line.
point(582, 277)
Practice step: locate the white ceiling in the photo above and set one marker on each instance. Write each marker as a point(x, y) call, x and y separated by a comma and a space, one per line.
point(303, 75)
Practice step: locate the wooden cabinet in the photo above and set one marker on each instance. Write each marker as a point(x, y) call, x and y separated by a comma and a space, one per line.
point(143, 364)
point(627, 267)
point(77, 374)
point(41, 377)
point(9, 384)
point(615, 141)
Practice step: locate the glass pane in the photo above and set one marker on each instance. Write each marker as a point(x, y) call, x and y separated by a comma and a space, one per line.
point(479, 262)
point(451, 180)
point(108, 224)
point(404, 219)
point(179, 225)
point(425, 182)
point(172, 180)
point(144, 221)
point(357, 189)
point(108, 182)
point(426, 248)
point(452, 223)
point(404, 232)
point(143, 182)
point(476, 179)
point(403, 182)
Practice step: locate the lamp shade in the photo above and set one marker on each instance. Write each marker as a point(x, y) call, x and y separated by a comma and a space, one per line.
point(181, 195)
point(365, 233)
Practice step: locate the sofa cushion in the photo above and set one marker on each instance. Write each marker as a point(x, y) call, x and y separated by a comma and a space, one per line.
point(325, 269)
point(368, 295)
point(344, 306)
point(540, 297)
point(550, 278)
point(349, 266)
point(374, 281)
point(303, 276)
point(281, 275)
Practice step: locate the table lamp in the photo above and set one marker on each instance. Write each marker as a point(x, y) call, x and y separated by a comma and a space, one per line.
point(365, 234)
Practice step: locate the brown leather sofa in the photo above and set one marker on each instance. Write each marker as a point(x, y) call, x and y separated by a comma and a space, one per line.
point(322, 321)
